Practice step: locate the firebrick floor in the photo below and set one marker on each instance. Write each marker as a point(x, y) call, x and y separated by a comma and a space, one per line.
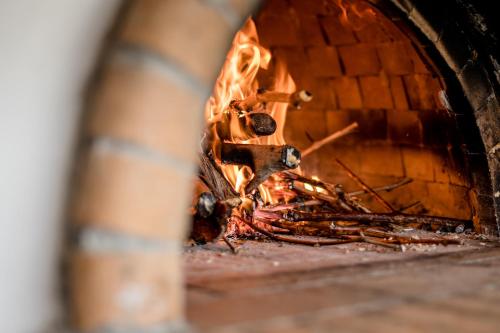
point(274, 287)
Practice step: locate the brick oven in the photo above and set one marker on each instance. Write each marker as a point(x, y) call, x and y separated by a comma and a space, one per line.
point(410, 86)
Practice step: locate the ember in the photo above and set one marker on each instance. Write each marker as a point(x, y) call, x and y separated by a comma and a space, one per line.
point(253, 180)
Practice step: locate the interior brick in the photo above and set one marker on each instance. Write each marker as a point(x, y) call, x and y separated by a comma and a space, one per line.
point(347, 92)
point(274, 6)
point(360, 59)
point(337, 33)
point(372, 124)
point(395, 60)
point(324, 61)
point(310, 7)
point(277, 30)
point(295, 60)
point(376, 92)
point(373, 33)
point(304, 127)
point(310, 31)
point(382, 160)
point(404, 127)
point(398, 92)
point(419, 66)
point(447, 200)
point(419, 163)
point(421, 91)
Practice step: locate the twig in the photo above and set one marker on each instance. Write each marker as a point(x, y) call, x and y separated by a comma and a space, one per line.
point(234, 250)
point(379, 242)
point(332, 137)
point(365, 186)
point(386, 188)
point(368, 218)
point(295, 240)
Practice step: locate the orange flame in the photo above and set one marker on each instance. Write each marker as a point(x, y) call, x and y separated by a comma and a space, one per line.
point(355, 14)
point(237, 81)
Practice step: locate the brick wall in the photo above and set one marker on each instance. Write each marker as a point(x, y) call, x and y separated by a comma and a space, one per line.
point(370, 72)
point(137, 161)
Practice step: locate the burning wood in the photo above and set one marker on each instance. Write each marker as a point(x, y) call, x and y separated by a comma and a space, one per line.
point(252, 185)
point(244, 126)
point(261, 98)
point(263, 160)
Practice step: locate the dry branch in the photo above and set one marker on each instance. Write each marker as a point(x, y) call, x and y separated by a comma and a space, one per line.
point(365, 186)
point(329, 139)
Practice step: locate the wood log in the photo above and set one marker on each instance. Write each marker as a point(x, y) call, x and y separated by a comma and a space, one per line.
point(374, 218)
point(264, 160)
point(233, 126)
point(252, 102)
point(212, 176)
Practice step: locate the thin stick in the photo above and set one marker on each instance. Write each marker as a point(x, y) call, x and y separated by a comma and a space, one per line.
point(295, 240)
point(379, 242)
point(234, 250)
point(371, 218)
point(365, 186)
point(332, 137)
point(386, 188)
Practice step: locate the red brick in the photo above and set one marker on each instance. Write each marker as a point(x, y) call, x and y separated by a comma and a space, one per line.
point(168, 27)
point(395, 60)
point(125, 290)
point(302, 126)
point(324, 61)
point(337, 33)
point(398, 92)
point(347, 91)
point(323, 92)
point(447, 200)
point(277, 30)
point(309, 7)
point(404, 127)
point(143, 107)
point(295, 60)
point(274, 7)
point(381, 160)
point(419, 62)
point(375, 91)
point(422, 91)
point(372, 123)
point(360, 59)
point(373, 33)
point(337, 120)
point(419, 163)
point(130, 195)
point(310, 31)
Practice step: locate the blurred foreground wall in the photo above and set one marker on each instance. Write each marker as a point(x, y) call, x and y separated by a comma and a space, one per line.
point(48, 51)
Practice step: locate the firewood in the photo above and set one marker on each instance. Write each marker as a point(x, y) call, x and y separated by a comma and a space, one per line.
point(373, 218)
point(235, 126)
point(211, 175)
point(329, 139)
point(367, 188)
point(296, 240)
point(264, 160)
point(386, 188)
point(295, 99)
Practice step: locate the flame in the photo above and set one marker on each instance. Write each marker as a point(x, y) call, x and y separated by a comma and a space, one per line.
point(237, 81)
point(355, 14)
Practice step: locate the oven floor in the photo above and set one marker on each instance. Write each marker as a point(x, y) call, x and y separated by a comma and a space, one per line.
point(273, 287)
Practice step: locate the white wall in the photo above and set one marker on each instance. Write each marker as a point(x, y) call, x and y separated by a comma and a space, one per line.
point(47, 51)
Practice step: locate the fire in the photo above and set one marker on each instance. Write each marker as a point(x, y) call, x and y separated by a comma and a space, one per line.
point(236, 82)
point(355, 14)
